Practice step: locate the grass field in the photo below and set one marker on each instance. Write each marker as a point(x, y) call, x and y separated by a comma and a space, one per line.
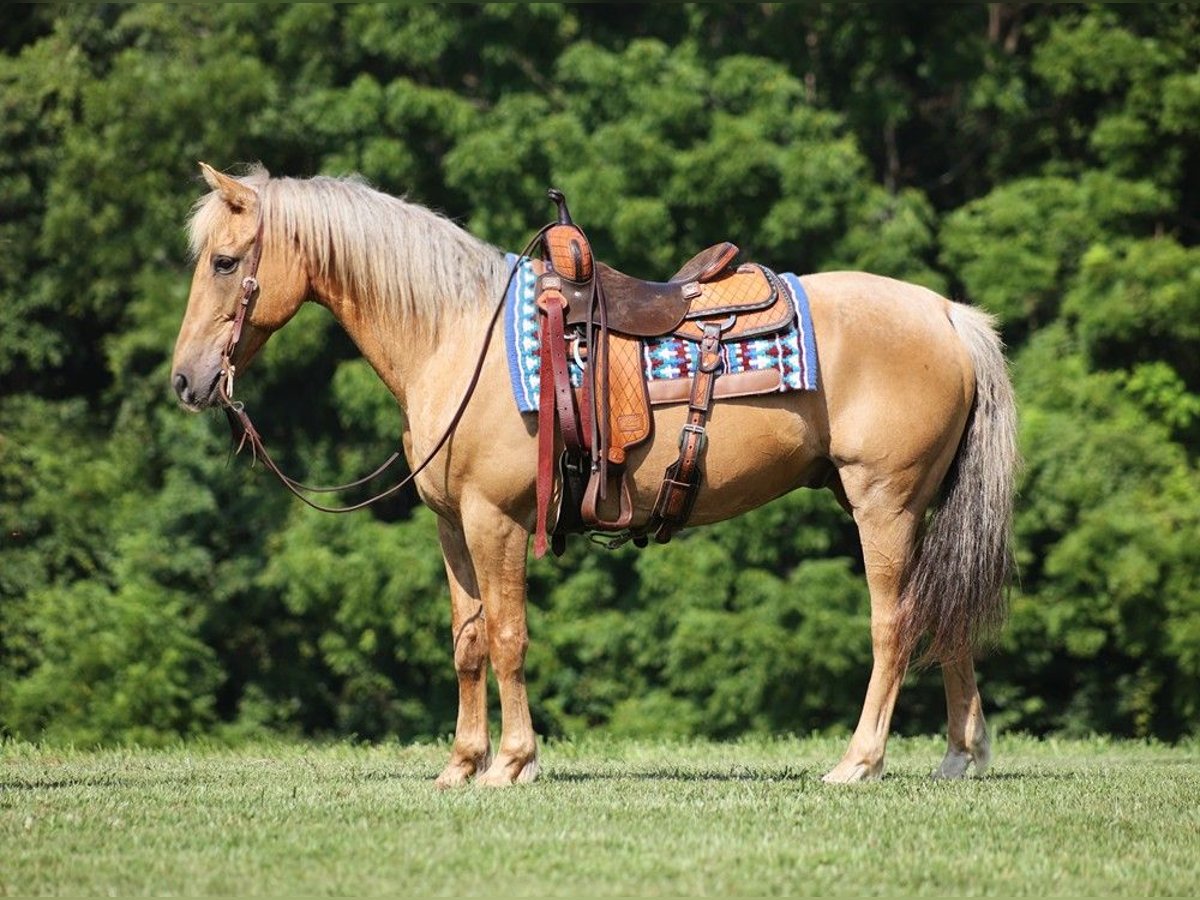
point(607, 818)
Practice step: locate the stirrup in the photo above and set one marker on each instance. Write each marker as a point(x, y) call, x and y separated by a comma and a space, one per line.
point(591, 515)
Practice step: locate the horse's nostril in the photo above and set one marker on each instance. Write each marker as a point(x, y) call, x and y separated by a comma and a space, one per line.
point(181, 384)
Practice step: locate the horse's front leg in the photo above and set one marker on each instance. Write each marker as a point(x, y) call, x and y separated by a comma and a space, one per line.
point(472, 752)
point(498, 547)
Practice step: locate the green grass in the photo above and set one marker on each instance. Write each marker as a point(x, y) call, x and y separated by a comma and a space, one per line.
point(607, 818)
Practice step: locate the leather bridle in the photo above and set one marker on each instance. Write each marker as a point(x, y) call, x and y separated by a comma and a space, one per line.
point(249, 289)
point(245, 433)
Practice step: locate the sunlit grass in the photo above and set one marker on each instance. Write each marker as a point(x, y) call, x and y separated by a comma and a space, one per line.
point(608, 818)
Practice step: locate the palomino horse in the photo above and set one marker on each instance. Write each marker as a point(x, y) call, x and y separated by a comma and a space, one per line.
point(915, 412)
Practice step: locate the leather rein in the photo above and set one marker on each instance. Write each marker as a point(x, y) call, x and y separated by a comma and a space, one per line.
point(245, 434)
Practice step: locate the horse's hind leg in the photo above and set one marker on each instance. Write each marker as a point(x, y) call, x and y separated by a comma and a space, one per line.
point(968, 740)
point(887, 531)
point(471, 751)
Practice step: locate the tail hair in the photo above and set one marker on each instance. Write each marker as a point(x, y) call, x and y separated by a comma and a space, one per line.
point(954, 592)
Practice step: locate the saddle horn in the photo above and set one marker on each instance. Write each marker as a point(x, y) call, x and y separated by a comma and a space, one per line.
point(565, 244)
point(560, 200)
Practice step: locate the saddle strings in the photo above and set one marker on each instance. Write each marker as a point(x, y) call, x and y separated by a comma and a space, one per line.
point(235, 411)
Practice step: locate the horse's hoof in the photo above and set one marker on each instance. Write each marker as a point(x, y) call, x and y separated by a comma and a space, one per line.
point(956, 763)
point(505, 772)
point(982, 756)
point(495, 778)
point(529, 771)
point(853, 773)
point(460, 769)
point(454, 775)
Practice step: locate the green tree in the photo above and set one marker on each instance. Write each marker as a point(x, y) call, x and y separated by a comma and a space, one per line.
point(1037, 160)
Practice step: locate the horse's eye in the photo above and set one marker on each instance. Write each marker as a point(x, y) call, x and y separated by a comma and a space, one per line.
point(224, 265)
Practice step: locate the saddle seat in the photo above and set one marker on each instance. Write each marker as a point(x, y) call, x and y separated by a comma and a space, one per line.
point(648, 308)
point(706, 287)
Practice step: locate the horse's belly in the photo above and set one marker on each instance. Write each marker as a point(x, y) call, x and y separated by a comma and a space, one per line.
point(758, 449)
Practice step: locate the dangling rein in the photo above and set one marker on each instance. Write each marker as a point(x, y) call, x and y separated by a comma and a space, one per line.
point(239, 419)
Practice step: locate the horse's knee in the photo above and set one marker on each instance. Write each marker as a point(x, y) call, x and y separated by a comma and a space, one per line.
point(509, 643)
point(470, 649)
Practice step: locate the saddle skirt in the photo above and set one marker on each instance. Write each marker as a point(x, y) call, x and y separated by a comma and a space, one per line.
point(784, 358)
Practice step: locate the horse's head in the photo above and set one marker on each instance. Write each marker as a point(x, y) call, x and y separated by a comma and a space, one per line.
point(224, 231)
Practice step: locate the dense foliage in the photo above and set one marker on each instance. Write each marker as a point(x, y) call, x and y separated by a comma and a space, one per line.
point(1043, 162)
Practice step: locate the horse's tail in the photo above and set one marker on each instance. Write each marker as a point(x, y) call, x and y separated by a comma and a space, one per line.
point(954, 589)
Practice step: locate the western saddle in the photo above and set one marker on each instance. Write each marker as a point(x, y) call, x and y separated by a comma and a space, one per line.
point(604, 315)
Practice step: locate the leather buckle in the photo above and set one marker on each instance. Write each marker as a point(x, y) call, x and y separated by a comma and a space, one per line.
point(551, 294)
point(698, 430)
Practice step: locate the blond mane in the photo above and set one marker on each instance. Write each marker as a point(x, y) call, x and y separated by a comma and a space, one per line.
point(395, 257)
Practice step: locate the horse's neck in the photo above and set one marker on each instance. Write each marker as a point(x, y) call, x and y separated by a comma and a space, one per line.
point(411, 357)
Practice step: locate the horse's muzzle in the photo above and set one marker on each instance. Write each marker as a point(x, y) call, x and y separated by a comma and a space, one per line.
point(192, 399)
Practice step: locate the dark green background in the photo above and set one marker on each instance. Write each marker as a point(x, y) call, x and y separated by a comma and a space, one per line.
point(1041, 161)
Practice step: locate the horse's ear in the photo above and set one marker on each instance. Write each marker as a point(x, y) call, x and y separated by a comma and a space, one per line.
point(238, 195)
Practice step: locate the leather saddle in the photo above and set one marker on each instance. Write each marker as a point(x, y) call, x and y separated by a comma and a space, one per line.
point(603, 315)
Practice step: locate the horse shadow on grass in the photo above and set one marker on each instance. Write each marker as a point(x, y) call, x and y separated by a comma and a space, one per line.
point(737, 773)
point(802, 776)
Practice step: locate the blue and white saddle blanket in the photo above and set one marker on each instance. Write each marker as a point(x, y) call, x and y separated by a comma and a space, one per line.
point(793, 353)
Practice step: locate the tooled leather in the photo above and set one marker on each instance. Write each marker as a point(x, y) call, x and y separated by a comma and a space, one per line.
point(628, 401)
point(728, 386)
point(776, 317)
point(747, 289)
point(681, 480)
point(707, 264)
point(569, 252)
